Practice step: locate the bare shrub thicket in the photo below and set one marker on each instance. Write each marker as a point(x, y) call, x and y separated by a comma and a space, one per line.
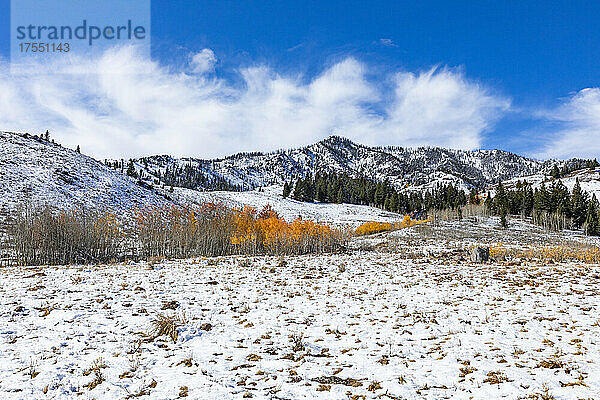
point(45, 236)
point(552, 221)
point(176, 232)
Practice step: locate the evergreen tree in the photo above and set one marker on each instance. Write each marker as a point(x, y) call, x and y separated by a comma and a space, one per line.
point(501, 200)
point(78, 149)
point(592, 226)
point(379, 195)
point(555, 172)
point(527, 201)
point(560, 200)
point(386, 203)
point(541, 199)
point(394, 202)
point(503, 217)
point(321, 195)
point(308, 193)
point(287, 189)
point(131, 169)
point(578, 205)
point(298, 190)
point(340, 196)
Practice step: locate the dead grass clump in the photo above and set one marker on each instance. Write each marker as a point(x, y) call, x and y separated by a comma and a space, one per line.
point(183, 391)
point(187, 362)
point(336, 380)
point(466, 371)
point(32, 371)
point(165, 325)
point(96, 369)
point(170, 305)
point(324, 388)
point(374, 386)
point(551, 363)
point(578, 382)
point(297, 342)
point(496, 377)
point(545, 395)
point(384, 360)
point(254, 357)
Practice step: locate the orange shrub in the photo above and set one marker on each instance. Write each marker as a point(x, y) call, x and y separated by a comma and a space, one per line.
point(369, 228)
point(266, 232)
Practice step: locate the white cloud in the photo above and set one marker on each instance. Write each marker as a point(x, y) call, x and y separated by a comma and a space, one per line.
point(148, 108)
point(387, 42)
point(578, 132)
point(204, 61)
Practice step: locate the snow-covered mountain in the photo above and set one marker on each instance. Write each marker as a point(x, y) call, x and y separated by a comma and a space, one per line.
point(413, 168)
point(36, 172)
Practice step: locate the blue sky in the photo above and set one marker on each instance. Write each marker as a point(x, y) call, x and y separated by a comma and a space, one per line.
point(531, 68)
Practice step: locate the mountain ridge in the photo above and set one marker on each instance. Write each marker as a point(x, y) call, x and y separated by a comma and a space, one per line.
point(418, 168)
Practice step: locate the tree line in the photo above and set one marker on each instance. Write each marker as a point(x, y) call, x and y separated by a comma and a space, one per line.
point(573, 165)
point(553, 207)
point(341, 188)
point(186, 176)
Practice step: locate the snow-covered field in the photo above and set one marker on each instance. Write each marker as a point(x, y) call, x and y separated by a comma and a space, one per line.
point(417, 322)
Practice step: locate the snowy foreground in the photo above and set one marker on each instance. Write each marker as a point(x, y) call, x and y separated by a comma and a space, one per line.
point(378, 325)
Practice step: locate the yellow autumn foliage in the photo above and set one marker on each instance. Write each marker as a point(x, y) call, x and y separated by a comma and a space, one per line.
point(554, 253)
point(369, 228)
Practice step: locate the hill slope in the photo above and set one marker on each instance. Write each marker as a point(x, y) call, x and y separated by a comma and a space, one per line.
point(37, 172)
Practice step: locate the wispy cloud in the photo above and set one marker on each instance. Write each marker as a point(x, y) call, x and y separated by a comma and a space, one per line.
point(204, 61)
point(387, 42)
point(577, 127)
point(149, 108)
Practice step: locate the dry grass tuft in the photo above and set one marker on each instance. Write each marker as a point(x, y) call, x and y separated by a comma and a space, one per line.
point(96, 369)
point(496, 377)
point(297, 342)
point(374, 386)
point(551, 363)
point(165, 325)
point(183, 391)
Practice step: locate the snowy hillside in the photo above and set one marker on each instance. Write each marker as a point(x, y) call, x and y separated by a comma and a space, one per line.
point(37, 172)
point(410, 168)
point(589, 180)
point(336, 214)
